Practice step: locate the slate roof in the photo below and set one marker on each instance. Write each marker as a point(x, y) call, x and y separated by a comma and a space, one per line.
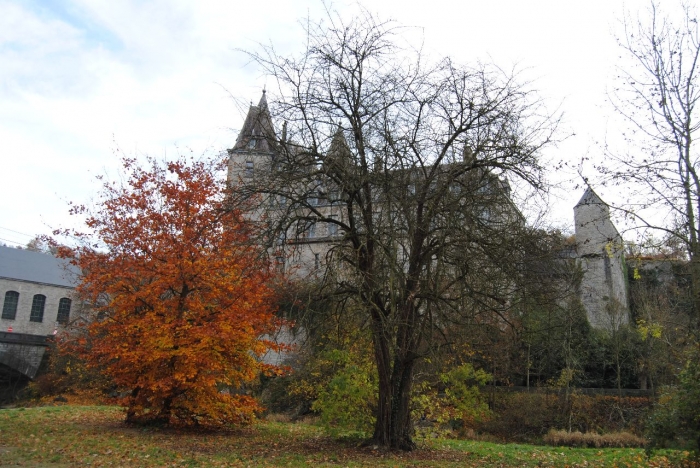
point(257, 134)
point(590, 198)
point(36, 267)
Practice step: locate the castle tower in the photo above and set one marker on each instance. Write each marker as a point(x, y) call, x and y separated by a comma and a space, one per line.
point(257, 151)
point(255, 147)
point(600, 250)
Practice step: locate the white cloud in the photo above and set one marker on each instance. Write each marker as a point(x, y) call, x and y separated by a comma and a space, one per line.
point(81, 77)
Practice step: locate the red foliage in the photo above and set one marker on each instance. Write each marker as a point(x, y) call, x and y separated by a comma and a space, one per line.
point(179, 295)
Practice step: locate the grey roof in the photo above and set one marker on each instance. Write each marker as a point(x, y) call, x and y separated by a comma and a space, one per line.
point(258, 128)
point(36, 267)
point(590, 198)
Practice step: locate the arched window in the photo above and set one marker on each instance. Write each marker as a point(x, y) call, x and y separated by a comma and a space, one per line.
point(63, 310)
point(38, 304)
point(9, 308)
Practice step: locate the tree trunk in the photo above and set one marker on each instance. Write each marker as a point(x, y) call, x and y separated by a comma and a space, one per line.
point(381, 435)
point(695, 282)
point(393, 424)
point(401, 405)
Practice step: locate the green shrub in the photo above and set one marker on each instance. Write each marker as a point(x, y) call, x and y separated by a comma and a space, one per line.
point(346, 404)
point(675, 421)
point(460, 404)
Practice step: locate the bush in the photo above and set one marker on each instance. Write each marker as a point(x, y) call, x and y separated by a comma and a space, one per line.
point(346, 404)
point(460, 406)
point(593, 439)
point(526, 417)
point(675, 421)
point(607, 413)
point(65, 375)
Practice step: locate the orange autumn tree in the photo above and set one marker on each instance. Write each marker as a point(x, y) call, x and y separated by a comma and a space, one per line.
point(180, 297)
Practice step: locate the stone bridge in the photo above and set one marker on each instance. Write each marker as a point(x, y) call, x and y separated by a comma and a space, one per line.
point(22, 352)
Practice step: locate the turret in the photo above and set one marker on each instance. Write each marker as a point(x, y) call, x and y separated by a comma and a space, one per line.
point(594, 229)
point(257, 134)
point(256, 145)
point(599, 247)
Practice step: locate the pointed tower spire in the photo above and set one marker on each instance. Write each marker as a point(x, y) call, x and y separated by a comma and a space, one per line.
point(262, 105)
point(257, 133)
point(590, 198)
point(338, 155)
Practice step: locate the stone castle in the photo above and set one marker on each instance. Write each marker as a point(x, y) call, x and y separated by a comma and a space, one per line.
point(599, 247)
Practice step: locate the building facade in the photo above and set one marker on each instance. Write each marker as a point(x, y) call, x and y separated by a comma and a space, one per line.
point(37, 290)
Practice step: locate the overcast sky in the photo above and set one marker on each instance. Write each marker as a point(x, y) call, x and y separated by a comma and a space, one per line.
point(80, 79)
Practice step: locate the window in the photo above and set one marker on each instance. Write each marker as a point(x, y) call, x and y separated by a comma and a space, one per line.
point(249, 168)
point(312, 199)
point(38, 304)
point(63, 310)
point(332, 228)
point(312, 230)
point(252, 143)
point(485, 215)
point(279, 262)
point(9, 308)
point(317, 261)
point(333, 197)
point(319, 191)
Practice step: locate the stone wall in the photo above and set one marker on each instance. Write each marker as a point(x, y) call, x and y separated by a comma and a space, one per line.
point(600, 250)
point(27, 290)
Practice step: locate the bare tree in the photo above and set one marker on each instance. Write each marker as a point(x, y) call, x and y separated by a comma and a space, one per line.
point(405, 166)
point(658, 97)
point(40, 244)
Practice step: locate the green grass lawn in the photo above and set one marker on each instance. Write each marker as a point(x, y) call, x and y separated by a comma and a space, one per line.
point(67, 436)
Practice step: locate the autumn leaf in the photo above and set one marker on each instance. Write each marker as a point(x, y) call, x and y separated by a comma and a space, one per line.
point(179, 295)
